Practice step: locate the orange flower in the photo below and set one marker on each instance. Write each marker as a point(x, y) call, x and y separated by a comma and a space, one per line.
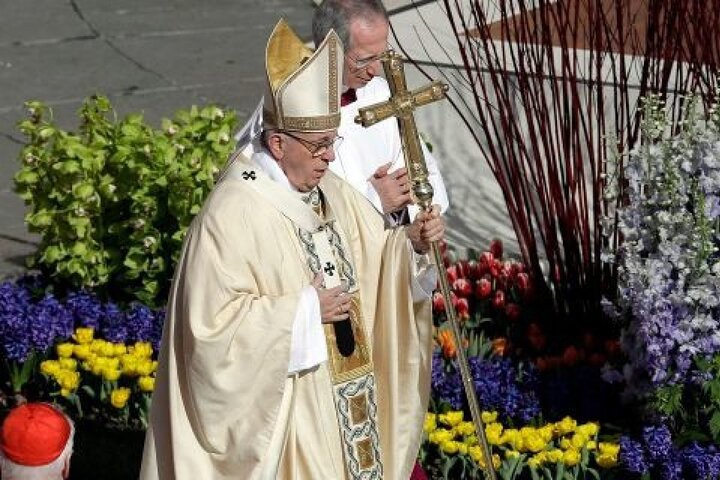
point(445, 339)
point(500, 346)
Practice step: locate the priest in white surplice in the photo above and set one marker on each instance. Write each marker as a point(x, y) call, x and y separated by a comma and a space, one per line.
point(298, 337)
point(370, 159)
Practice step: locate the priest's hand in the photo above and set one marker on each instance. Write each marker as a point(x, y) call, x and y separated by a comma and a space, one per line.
point(427, 227)
point(334, 302)
point(392, 188)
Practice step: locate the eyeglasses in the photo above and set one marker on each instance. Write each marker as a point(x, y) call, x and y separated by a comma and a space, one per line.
point(317, 149)
point(363, 63)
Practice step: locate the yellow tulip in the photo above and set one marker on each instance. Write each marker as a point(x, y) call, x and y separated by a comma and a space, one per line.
point(68, 363)
point(578, 441)
point(450, 446)
point(440, 436)
point(565, 426)
point(110, 374)
point(451, 418)
point(82, 351)
point(50, 367)
point(146, 384)
point(145, 367)
point(465, 428)
point(589, 429)
point(430, 423)
point(120, 397)
point(142, 349)
point(64, 350)
point(488, 417)
point(68, 379)
point(555, 455)
point(83, 335)
point(571, 457)
point(493, 433)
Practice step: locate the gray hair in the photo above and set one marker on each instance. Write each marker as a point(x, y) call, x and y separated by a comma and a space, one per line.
point(338, 14)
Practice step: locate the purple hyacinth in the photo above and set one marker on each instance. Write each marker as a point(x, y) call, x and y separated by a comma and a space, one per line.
point(658, 442)
point(49, 321)
point(671, 467)
point(139, 322)
point(113, 327)
point(14, 326)
point(156, 334)
point(632, 457)
point(496, 382)
point(446, 385)
point(86, 309)
point(700, 463)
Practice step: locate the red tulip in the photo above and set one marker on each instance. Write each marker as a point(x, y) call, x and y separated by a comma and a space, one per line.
point(512, 310)
point(438, 302)
point(499, 300)
point(463, 268)
point(463, 308)
point(486, 259)
point(483, 288)
point(462, 287)
point(495, 268)
point(522, 282)
point(571, 355)
point(451, 274)
point(496, 247)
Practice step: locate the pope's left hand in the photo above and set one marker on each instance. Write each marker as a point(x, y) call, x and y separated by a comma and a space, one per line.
point(427, 227)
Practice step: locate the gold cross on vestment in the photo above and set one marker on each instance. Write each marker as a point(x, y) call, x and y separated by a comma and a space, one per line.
point(402, 104)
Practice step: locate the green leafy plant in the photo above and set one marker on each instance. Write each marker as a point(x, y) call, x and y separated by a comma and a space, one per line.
point(112, 202)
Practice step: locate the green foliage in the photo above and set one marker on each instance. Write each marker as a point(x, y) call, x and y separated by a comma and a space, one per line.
point(693, 409)
point(113, 201)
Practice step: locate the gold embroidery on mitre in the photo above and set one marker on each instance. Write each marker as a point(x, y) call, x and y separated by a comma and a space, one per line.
point(327, 122)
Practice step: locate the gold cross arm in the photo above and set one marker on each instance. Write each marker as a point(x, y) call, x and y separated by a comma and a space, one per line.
point(402, 104)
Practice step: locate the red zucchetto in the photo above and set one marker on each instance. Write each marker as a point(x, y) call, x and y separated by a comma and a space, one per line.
point(34, 434)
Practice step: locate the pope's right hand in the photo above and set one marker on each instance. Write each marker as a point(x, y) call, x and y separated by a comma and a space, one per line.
point(334, 302)
point(392, 188)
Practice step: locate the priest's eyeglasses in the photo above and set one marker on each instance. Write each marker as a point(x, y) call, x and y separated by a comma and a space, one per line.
point(363, 63)
point(317, 149)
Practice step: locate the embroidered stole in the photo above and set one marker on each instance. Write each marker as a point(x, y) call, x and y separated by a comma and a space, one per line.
point(349, 351)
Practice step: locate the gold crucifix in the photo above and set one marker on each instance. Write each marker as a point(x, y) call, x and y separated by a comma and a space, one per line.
point(402, 104)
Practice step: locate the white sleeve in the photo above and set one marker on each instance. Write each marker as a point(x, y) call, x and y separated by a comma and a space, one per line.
point(439, 193)
point(423, 275)
point(372, 195)
point(308, 338)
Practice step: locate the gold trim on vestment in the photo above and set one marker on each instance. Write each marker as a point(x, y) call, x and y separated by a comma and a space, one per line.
point(359, 363)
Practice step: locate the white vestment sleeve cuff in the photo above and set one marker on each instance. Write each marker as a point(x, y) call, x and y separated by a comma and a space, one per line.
point(307, 349)
point(423, 275)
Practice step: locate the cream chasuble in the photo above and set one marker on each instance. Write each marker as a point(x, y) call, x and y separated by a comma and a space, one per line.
point(224, 406)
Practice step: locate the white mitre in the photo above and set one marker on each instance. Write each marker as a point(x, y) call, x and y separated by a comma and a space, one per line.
point(303, 90)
